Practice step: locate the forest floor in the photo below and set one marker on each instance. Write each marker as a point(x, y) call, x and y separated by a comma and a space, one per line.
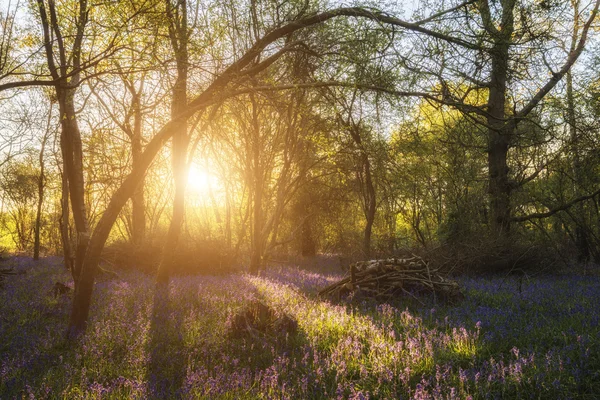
point(539, 338)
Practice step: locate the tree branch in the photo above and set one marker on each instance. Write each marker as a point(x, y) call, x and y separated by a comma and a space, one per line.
point(556, 77)
point(553, 211)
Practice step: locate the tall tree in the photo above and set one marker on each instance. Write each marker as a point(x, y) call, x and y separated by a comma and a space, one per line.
point(41, 185)
point(65, 66)
point(177, 21)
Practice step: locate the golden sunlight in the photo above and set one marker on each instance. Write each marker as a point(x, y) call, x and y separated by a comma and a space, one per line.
point(200, 181)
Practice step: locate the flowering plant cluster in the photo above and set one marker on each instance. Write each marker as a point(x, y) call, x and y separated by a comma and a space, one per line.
point(538, 339)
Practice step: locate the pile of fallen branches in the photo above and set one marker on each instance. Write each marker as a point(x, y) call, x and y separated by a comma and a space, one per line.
point(260, 321)
point(390, 278)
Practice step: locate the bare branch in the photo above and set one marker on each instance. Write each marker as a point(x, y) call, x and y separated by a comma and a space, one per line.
point(553, 211)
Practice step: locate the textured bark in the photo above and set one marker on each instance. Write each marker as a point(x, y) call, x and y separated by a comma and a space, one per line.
point(499, 132)
point(64, 226)
point(66, 76)
point(73, 167)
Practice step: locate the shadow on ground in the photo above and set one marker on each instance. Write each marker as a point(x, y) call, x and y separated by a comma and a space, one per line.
point(167, 367)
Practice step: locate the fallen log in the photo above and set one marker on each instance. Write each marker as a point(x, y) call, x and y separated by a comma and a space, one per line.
point(387, 279)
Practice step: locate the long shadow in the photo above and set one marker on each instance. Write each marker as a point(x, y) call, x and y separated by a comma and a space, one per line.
point(167, 364)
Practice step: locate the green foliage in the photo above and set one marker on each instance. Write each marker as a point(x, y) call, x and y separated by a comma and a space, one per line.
point(19, 182)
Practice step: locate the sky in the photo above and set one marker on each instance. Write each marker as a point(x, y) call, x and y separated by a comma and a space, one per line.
point(408, 5)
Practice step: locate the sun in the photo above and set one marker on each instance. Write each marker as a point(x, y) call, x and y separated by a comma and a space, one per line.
point(200, 181)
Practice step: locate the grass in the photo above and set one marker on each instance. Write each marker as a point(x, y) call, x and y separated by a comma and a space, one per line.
point(503, 341)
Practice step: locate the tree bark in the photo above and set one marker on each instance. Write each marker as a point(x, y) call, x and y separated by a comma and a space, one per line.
point(370, 205)
point(178, 33)
point(368, 191)
point(257, 239)
point(582, 240)
point(138, 204)
point(66, 81)
point(499, 132)
point(64, 225)
point(41, 186)
point(73, 168)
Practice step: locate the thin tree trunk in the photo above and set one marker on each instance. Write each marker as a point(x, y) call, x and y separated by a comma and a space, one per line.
point(582, 240)
point(370, 205)
point(257, 240)
point(307, 241)
point(41, 187)
point(138, 204)
point(65, 87)
point(369, 193)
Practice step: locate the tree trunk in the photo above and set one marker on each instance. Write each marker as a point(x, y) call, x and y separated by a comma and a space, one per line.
point(41, 186)
point(368, 191)
point(178, 33)
point(499, 131)
point(370, 205)
point(64, 225)
point(73, 168)
point(65, 86)
point(138, 207)
point(83, 294)
point(257, 240)
point(581, 234)
point(582, 240)
point(307, 244)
